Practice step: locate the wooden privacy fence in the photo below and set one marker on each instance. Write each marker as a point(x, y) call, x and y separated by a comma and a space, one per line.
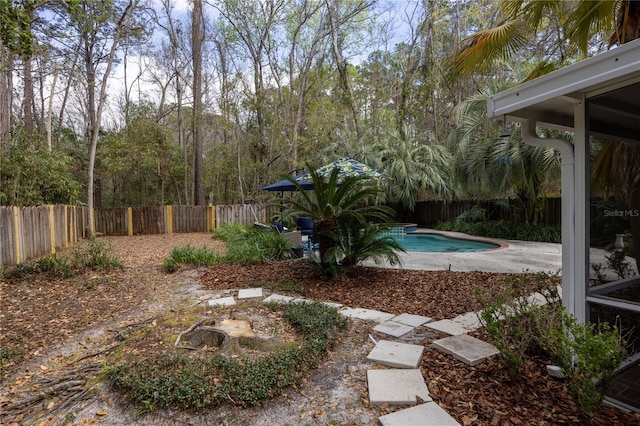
point(30, 232)
point(431, 212)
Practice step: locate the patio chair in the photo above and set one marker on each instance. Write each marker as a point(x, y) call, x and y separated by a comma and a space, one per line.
point(306, 225)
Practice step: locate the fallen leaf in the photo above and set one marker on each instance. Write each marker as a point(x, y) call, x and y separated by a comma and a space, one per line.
point(50, 405)
point(44, 368)
point(101, 413)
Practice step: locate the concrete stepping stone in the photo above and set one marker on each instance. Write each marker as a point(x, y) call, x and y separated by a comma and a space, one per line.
point(411, 320)
point(462, 324)
point(394, 329)
point(448, 326)
point(366, 314)
point(429, 414)
point(396, 354)
point(278, 298)
point(250, 293)
point(333, 304)
point(396, 387)
point(465, 348)
point(223, 301)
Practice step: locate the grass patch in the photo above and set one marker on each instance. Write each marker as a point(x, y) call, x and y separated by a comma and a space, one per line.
point(247, 245)
point(175, 380)
point(92, 256)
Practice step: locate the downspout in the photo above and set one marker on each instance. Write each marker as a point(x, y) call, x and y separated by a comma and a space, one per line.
point(530, 137)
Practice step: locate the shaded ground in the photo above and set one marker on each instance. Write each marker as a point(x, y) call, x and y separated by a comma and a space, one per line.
point(53, 327)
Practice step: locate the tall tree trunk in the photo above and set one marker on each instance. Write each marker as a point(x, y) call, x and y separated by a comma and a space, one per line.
point(6, 89)
point(97, 110)
point(50, 109)
point(342, 66)
point(197, 40)
point(27, 100)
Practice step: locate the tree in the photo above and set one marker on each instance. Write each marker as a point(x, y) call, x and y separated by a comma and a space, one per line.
point(100, 27)
point(336, 206)
point(581, 25)
point(414, 167)
point(197, 40)
point(485, 166)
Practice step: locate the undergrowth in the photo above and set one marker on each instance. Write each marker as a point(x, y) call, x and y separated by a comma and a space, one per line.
point(247, 245)
point(92, 256)
point(518, 326)
point(175, 380)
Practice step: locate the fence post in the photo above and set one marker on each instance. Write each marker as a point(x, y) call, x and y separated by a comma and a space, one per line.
point(169, 218)
point(211, 218)
point(129, 221)
point(16, 234)
point(52, 229)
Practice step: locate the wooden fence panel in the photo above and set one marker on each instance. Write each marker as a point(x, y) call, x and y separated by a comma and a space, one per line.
point(111, 221)
point(149, 220)
point(190, 218)
point(243, 214)
point(34, 231)
point(430, 212)
point(7, 241)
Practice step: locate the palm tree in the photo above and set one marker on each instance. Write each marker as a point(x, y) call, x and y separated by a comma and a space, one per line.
point(484, 166)
point(580, 22)
point(334, 204)
point(414, 168)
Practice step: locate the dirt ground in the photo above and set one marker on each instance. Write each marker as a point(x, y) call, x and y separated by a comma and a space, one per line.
point(59, 333)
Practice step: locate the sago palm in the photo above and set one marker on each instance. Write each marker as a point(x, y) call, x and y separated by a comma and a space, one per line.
point(334, 201)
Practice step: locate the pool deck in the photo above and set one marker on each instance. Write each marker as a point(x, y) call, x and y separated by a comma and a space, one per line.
point(515, 257)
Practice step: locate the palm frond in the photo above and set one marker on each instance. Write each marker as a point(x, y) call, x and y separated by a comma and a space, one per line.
point(485, 47)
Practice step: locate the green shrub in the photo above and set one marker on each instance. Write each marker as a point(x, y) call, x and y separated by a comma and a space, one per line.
point(95, 255)
point(511, 319)
point(505, 230)
point(190, 255)
point(587, 354)
point(179, 381)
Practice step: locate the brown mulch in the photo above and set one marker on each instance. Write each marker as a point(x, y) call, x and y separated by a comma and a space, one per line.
point(38, 316)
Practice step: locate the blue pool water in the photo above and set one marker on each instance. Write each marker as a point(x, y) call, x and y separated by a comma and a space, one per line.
point(441, 244)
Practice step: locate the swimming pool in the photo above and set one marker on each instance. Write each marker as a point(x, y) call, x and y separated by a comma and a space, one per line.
point(441, 244)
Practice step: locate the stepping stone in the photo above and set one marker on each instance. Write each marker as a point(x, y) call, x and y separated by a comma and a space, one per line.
point(250, 293)
point(429, 414)
point(467, 349)
point(223, 301)
point(333, 304)
point(412, 320)
point(393, 328)
point(396, 387)
point(396, 354)
point(366, 314)
point(278, 298)
point(448, 326)
point(469, 320)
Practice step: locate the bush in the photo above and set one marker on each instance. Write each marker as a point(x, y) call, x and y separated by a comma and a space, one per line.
point(189, 255)
point(587, 354)
point(178, 381)
point(505, 230)
point(95, 255)
point(512, 320)
point(91, 256)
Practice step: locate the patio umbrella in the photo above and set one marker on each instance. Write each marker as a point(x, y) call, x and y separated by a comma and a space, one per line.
point(285, 185)
point(346, 167)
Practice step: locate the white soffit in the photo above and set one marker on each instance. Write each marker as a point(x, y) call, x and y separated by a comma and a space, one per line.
point(610, 80)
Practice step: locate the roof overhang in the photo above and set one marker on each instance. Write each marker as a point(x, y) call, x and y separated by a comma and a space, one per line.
point(610, 82)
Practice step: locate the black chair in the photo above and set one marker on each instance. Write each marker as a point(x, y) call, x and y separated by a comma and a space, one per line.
point(305, 225)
